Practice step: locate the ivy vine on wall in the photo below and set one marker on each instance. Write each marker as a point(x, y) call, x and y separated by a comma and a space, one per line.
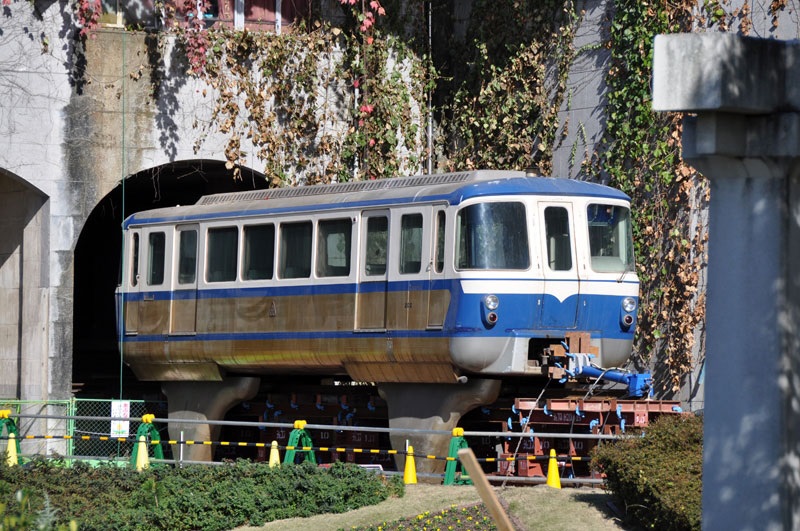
point(500, 110)
point(318, 105)
point(640, 154)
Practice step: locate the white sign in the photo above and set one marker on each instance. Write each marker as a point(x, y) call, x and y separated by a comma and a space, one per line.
point(120, 409)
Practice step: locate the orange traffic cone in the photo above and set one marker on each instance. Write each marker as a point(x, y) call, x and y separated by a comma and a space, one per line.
point(553, 477)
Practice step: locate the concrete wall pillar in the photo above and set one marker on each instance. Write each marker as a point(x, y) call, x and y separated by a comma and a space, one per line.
point(24, 291)
point(745, 137)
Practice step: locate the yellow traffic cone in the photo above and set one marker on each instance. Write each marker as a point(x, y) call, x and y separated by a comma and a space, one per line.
point(410, 472)
point(553, 477)
point(11, 450)
point(142, 459)
point(274, 456)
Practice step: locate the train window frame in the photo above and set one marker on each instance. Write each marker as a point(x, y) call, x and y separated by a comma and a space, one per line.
point(289, 267)
point(186, 262)
point(156, 257)
point(267, 272)
point(610, 236)
point(503, 243)
point(409, 260)
point(328, 229)
point(135, 260)
point(555, 238)
point(439, 241)
point(370, 244)
point(213, 257)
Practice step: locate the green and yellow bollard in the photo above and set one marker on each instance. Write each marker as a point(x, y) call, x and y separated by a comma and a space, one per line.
point(299, 441)
point(8, 425)
point(457, 442)
point(140, 455)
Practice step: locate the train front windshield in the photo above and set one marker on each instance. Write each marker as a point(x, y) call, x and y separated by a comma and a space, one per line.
point(492, 236)
point(610, 238)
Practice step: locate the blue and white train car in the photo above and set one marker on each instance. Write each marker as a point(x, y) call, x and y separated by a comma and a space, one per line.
point(421, 279)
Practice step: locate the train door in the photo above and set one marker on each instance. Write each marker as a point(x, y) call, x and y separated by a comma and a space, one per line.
point(438, 295)
point(183, 310)
point(373, 274)
point(560, 271)
point(130, 278)
point(409, 274)
point(155, 280)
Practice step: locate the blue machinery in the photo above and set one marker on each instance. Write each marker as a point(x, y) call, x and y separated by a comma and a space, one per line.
point(580, 366)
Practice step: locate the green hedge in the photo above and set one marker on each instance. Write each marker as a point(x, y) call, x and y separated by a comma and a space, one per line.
point(658, 477)
point(193, 497)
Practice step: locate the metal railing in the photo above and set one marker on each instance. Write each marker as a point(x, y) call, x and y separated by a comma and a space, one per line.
point(56, 429)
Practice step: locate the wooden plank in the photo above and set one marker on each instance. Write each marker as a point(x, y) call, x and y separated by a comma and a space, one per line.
point(558, 350)
point(488, 496)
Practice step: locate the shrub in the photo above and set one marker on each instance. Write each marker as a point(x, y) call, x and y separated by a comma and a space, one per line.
point(658, 477)
point(193, 497)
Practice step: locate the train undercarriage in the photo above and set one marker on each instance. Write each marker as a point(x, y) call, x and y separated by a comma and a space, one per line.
point(572, 397)
point(560, 409)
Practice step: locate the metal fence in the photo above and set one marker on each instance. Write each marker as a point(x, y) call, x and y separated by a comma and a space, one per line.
point(104, 430)
point(37, 417)
point(100, 449)
point(66, 422)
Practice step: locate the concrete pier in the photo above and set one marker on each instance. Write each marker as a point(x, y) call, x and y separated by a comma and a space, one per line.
point(203, 401)
point(432, 407)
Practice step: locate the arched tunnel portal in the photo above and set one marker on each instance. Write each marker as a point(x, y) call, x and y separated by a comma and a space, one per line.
point(97, 370)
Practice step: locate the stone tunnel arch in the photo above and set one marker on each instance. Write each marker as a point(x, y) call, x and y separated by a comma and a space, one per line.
point(97, 369)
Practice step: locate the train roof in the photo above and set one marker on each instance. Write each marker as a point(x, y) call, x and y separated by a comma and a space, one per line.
point(452, 188)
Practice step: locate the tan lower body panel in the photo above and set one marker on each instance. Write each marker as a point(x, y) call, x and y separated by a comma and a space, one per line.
point(366, 357)
point(176, 351)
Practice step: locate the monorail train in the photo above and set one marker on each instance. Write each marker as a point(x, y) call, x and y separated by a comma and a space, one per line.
point(423, 279)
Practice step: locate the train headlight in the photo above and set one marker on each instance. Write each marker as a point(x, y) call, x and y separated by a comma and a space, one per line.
point(491, 302)
point(629, 304)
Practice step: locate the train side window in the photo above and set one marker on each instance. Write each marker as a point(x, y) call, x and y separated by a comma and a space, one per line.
point(492, 235)
point(410, 243)
point(296, 250)
point(334, 240)
point(223, 244)
point(559, 246)
point(135, 261)
point(187, 257)
point(438, 265)
point(377, 240)
point(259, 252)
point(155, 257)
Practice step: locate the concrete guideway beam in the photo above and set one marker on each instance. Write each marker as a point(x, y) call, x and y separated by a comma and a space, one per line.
point(432, 407)
point(203, 401)
point(744, 135)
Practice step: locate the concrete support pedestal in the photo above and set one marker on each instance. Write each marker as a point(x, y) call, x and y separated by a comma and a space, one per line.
point(432, 407)
point(203, 401)
point(745, 137)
